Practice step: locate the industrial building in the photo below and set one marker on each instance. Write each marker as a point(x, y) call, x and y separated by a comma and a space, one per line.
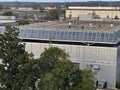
point(87, 42)
point(92, 12)
point(95, 43)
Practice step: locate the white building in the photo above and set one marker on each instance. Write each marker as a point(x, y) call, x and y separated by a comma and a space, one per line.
point(97, 12)
point(95, 43)
point(7, 19)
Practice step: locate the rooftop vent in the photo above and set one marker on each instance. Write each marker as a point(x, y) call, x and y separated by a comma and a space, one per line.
point(69, 24)
point(91, 24)
point(99, 26)
point(111, 25)
point(82, 27)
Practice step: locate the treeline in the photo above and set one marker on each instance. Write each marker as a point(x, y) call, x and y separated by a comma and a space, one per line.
point(52, 71)
point(58, 4)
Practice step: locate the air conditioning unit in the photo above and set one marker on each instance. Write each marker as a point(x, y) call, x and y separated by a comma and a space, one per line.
point(101, 84)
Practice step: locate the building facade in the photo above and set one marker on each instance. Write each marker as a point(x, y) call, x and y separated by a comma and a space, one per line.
point(105, 57)
point(88, 43)
point(96, 12)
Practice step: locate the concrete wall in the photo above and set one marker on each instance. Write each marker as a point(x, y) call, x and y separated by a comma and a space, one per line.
point(118, 65)
point(85, 55)
point(102, 14)
point(7, 17)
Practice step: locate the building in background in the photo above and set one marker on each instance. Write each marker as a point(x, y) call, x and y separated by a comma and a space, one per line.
point(7, 20)
point(88, 13)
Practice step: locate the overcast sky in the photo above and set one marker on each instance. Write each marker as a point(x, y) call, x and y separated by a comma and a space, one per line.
point(54, 0)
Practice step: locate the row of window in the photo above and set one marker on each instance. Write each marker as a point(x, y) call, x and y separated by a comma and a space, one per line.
point(68, 35)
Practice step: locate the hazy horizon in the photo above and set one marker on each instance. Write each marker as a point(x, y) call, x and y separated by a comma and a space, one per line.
point(53, 0)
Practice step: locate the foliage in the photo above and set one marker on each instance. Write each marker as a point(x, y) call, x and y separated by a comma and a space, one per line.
point(8, 13)
point(50, 57)
point(62, 77)
point(13, 55)
point(59, 73)
point(53, 14)
point(116, 17)
point(18, 70)
point(118, 85)
point(88, 79)
point(23, 22)
point(52, 71)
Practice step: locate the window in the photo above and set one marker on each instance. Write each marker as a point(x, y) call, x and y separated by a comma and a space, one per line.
point(75, 64)
point(96, 66)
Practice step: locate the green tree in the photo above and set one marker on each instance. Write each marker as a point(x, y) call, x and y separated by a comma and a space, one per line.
point(50, 57)
point(88, 79)
point(8, 13)
point(118, 84)
point(53, 14)
point(12, 54)
point(52, 71)
point(23, 22)
point(18, 70)
point(58, 71)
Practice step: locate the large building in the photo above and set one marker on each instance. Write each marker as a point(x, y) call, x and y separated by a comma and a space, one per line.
point(94, 12)
point(95, 43)
point(25, 13)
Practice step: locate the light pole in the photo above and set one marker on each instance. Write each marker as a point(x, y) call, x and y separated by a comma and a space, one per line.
point(50, 39)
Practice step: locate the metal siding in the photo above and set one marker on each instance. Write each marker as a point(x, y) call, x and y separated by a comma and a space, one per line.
point(106, 57)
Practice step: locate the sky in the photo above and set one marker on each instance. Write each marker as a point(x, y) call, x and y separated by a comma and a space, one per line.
point(54, 0)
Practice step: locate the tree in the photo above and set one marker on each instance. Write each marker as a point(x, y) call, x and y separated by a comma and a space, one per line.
point(58, 71)
point(18, 70)
point(116, 17)
point(52, 71)
point(53, 14)
point(88, 79)
point(50, 57)
point(8, 13)
point(118, 85)
point(12, 54)
point(23, 22)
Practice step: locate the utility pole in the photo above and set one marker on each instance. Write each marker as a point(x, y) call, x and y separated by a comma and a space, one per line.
point(50, 41)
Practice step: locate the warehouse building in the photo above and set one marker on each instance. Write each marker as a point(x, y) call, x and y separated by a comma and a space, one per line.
point(81, 13)
point(95, 43)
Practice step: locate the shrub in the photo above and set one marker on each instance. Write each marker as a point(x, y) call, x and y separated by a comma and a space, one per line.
point(118, 85)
